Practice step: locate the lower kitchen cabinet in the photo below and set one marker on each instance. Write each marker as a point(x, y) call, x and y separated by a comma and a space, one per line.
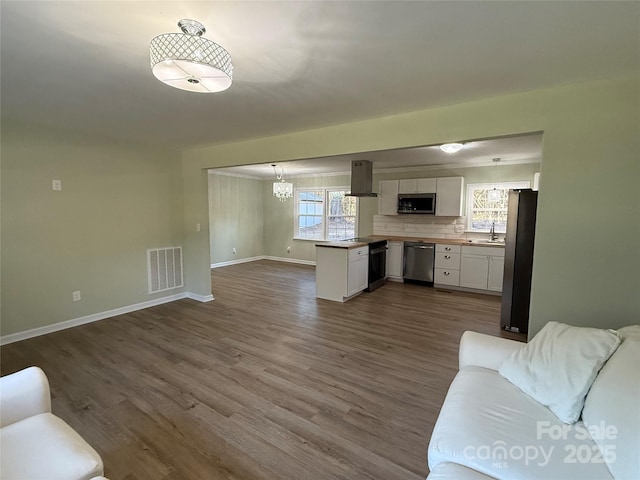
point(482, 268)
point(394, 260)
point(496, 272)
point(358, 270)
point(341, 272)
point(447, 265)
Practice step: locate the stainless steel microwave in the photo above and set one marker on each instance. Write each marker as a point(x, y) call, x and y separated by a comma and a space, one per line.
point(424, 203)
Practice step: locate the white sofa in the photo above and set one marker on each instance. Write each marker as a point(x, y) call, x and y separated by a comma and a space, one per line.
point(489, 428)
point(35, 444)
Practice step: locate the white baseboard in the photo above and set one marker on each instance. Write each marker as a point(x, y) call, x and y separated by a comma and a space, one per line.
point(465, 289)
point(200, 298)
point(74, 322)
point(291, 260)
point(236, 262)
point(263, 257)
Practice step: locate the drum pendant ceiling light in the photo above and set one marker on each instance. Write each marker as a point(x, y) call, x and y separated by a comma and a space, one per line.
point(189, 61)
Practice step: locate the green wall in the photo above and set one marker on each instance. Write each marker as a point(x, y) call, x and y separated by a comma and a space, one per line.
point(591, 151)
point(117, 201)
point(236, 218)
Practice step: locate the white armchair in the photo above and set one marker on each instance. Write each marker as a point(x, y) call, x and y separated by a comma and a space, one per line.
point(35, 444)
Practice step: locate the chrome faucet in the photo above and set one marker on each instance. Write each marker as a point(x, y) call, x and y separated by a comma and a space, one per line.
point(493, 236)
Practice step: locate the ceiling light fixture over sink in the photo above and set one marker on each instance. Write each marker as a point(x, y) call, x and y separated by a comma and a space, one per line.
point(189, 61)
point(495, 195)
point(451, 147)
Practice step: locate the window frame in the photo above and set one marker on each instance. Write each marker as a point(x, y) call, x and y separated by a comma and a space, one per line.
point(325, 213)
point(471, 187)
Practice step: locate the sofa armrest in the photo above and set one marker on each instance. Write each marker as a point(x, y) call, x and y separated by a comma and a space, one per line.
point(23, 394)
point(485, 350)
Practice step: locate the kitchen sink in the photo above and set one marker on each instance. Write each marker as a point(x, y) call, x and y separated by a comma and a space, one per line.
point(487, 242)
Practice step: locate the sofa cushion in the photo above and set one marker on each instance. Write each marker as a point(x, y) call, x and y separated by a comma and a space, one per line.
point(453, 471)
point(612, 408)
point(490, 425)
point(45, 447)
point(559, 365)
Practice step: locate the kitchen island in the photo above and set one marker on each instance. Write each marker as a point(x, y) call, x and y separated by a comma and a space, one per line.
point(341, 270)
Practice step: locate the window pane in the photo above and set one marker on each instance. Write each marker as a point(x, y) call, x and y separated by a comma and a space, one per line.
point(310, 226)
point(488, 204)
point(340, 228)
point(340, 211)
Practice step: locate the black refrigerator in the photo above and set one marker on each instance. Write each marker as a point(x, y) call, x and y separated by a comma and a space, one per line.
point(518, 260)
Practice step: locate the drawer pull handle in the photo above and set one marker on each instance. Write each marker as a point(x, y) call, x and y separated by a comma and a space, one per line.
point(448, 249)
point(447, 273)
point(447, 257)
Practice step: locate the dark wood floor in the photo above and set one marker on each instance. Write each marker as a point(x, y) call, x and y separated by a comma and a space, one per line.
point(266, 382)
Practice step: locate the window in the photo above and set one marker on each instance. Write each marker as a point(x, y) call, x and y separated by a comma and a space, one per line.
point(487, 203)
point(325, 214)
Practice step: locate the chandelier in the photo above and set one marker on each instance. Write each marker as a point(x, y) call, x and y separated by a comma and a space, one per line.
point(281, 189)
point(189, 61)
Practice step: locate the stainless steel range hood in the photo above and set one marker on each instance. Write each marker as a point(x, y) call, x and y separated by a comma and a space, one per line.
point(362, 179)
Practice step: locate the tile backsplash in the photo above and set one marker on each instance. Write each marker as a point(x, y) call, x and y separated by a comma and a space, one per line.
point(427, 226)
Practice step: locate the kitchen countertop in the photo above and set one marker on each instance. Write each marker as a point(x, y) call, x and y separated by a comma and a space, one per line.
point(348, 245)
point(389, 238)
point(441, 241)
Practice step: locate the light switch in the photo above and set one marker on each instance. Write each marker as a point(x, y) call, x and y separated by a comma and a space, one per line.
point(56, 185)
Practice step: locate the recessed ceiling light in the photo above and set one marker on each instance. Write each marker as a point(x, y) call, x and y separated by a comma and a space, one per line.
point(451, 147)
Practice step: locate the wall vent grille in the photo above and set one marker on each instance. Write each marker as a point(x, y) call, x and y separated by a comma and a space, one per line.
point(164, 266)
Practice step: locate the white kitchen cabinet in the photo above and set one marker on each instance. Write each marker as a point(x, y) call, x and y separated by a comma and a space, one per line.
point(496, 272)
point(449, 195)
point(394, 265)
point(447, 265)
point(481, 268)
point(358, 270)
point(417, 185)
point(341, 272)
point(474, 270)
point(388, 197)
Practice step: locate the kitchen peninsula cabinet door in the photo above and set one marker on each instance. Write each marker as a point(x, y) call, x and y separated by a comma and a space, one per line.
point(358, 271)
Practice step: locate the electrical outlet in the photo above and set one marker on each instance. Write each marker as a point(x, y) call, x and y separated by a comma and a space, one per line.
point(76, 296)
point(234, 250)
point(56, 185)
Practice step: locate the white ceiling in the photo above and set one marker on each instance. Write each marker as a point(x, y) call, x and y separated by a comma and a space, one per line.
point(479, 153)
point(297, 65)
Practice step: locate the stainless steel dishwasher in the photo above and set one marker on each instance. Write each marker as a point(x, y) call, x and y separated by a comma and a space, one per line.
point(418, 261)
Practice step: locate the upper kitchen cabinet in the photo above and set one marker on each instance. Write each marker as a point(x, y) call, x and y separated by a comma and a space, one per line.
point(388, 197)
point(417, 185)
point(449, 194)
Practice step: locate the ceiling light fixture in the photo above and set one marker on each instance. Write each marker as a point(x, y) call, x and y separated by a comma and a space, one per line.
point(281, 189)
point(189, 61)
point(451, 147)
point(495, 194)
